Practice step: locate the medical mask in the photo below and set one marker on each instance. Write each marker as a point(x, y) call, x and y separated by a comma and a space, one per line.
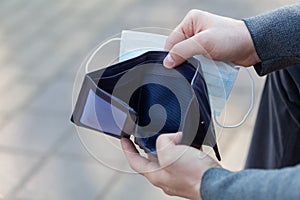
point(141, 97)
point(219, 76)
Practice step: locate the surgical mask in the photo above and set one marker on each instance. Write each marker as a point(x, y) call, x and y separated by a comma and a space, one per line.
point(219, 76)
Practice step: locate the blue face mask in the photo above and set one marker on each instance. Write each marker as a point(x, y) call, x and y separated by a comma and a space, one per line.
point(141, 97)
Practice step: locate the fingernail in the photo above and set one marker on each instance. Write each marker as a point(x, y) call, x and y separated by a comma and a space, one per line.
point(169, 61)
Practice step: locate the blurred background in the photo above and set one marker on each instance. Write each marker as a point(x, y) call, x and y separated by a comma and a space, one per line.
point(42, 44)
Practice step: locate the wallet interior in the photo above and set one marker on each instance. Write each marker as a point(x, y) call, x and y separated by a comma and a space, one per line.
point(157, 94)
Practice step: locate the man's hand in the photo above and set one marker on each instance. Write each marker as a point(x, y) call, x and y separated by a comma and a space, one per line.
point(178, 170)
point(216, 37)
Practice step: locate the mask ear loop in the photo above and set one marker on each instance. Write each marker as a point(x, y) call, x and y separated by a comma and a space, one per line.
point(196, 73)
point(249, 110)
point(96, 51)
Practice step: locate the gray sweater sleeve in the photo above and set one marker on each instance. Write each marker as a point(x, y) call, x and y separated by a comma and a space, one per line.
point(251, 184)
point(276, 37)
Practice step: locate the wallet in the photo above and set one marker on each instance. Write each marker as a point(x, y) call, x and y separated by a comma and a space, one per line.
point(141, 97)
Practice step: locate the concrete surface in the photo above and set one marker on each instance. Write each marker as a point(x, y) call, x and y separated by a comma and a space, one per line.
point(42, 44)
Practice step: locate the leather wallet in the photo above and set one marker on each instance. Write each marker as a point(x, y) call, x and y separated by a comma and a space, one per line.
point(141, 97)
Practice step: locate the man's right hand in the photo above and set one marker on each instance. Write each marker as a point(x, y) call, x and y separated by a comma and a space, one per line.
point(216, 37)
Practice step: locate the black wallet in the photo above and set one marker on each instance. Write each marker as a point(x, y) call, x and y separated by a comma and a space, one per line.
point(141, 97)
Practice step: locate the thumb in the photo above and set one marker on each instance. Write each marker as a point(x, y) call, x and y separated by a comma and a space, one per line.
point(165, 140)
point(165, 146)
point(182, 51)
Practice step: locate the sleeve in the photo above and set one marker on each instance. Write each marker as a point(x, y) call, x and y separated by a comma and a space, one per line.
point(251, 184)
point(276, 37)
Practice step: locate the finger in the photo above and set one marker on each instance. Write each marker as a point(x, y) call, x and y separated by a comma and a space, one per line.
point(168, 139)
point(142, 165)
point(175, 37)
point(177, 138)
point(165, 148)
point(184, 50)
point(188, 27)
point(135, 160)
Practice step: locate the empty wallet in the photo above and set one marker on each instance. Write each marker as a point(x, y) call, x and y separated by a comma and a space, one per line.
point(141, 97)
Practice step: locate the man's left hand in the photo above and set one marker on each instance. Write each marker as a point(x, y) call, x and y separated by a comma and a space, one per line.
point(178, 169)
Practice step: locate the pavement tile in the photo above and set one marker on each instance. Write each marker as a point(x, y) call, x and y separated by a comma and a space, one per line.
point(7, 6)
point(9, 77)
point(2, 118)
point(13, 167)
point(16, 96)
point(25, 11)
point(33, 131)
point(65, 179)
point(135, 187)
point(74, 148)
point(104, 149)
point(56, 97)
point(5, 49)
point(46, 13)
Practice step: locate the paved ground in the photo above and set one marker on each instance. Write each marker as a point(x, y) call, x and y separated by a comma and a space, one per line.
point(42, 44)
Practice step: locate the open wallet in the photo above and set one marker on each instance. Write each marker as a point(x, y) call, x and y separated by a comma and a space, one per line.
point(141, 97)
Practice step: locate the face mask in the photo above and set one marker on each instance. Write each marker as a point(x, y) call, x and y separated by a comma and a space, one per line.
point(219, 76)
point(140, 96)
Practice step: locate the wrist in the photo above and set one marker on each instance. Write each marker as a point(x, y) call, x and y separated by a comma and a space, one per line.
point(197, 187)
point(200, 184)
point(197, 195)
point(253, 57)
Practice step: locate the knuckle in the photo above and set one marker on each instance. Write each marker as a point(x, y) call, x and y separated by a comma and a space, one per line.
point(152, 179)
point(168, 192)
point(132, 166)
point(160, 139)
point(155, 182)
point(207, 43)
point(194, 12)
point(177, 52)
